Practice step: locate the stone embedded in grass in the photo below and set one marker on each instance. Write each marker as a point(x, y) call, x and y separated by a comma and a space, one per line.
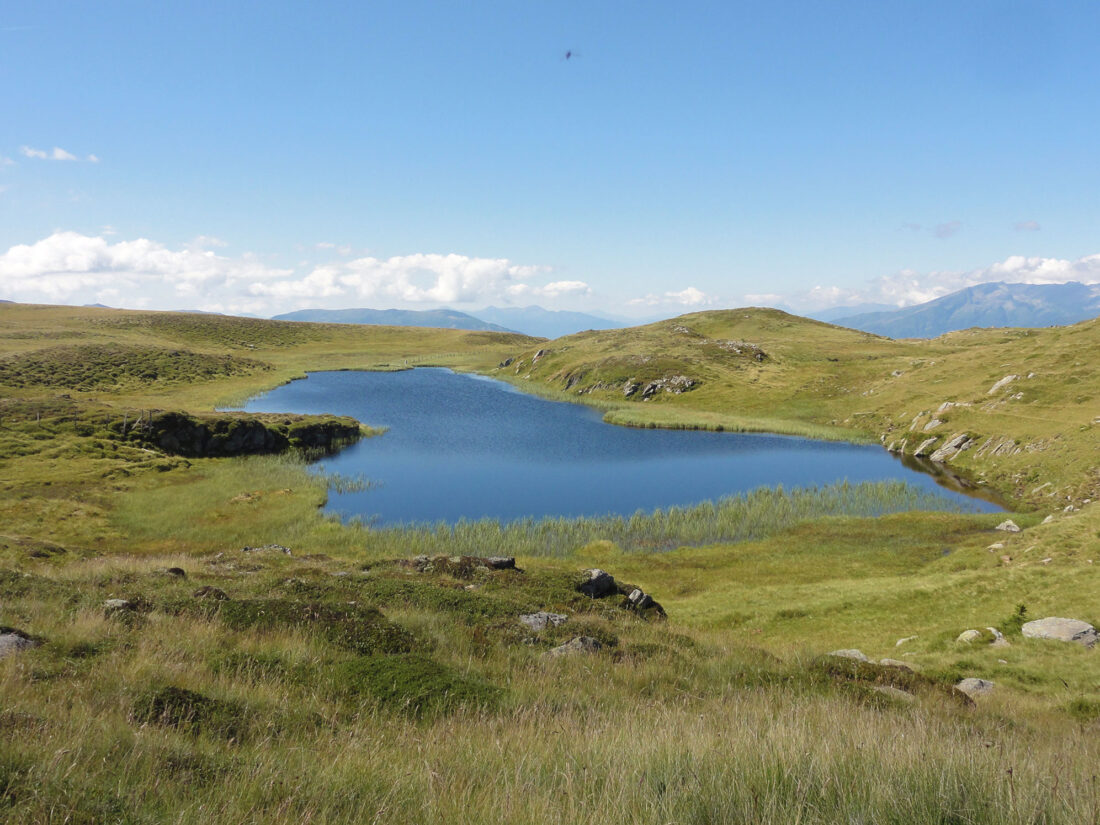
point(904, 640)
point(895, 663)
point(261, 548)
point(175, 572)
point(894, 693)
point(500, 562)
point(975, 687)
point(542, 620)
point(1008, 526)
point(968, 636)
point(1061, 630)
point(850, 653)
point(13, 641)
point(580, 644)
point(597, 584)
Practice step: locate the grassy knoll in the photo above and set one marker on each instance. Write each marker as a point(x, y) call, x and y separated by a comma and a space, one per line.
point(344, 681)
point(1034, 437)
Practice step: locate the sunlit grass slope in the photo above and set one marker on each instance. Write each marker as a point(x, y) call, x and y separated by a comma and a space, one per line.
point(1035, 436)
point(336, 684)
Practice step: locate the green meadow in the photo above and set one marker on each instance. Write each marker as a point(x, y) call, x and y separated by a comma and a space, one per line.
point(344, 673)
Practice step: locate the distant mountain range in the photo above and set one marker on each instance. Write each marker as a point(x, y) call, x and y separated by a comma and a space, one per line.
point(445, 318)
point(546, 323)
point(985, 305)
point(532, 320)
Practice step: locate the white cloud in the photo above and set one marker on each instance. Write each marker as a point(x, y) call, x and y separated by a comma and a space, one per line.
point(425, 278)
point(689, 297)
point(68, 265)
point(908, 287)
point(4, 161)
point(92, 159)
point(57, 153)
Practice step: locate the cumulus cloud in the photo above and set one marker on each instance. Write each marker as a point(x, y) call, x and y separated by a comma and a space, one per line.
point(424, 278)
point(1026, 226)
point(908, 287)
point(689, 297)
point(69, 267)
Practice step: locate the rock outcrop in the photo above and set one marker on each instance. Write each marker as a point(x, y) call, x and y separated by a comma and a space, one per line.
point(1061, 630)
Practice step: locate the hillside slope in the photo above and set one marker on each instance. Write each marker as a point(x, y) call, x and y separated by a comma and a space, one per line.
point(1012, 408)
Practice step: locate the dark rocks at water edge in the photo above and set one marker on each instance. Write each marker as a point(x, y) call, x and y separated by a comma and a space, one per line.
point(230, 434)
point(459, 566)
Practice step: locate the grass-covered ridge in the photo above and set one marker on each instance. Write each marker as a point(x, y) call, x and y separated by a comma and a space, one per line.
point(1013, 408)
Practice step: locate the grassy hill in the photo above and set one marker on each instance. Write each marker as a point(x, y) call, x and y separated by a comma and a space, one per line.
point(1034, 437)
point(268, 663)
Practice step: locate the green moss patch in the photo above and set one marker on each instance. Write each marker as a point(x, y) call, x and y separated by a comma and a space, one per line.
point(362, 629)
point(191, 711)
point(415, 685)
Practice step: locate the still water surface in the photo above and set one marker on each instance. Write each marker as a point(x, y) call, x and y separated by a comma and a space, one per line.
point(468, 447)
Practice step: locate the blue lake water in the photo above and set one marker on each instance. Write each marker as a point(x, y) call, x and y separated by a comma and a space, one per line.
point(468, 447)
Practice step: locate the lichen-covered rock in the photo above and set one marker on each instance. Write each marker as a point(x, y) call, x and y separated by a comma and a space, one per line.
point(968, 636)
point(976, 687)
point(1061, 630)
point(581, 644)
point(895, 693)
point(851, 653)
point(1008, 526)
point(13, 641)
point(598, 584)
point(541, 620)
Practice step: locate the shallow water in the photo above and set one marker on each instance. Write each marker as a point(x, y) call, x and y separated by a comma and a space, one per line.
point(469, 447)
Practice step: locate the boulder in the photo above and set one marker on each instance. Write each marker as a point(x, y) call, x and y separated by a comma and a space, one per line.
point(1008, 526)
point(894, 693)
point(542, 620)
point(580, 644)
point(176, 572)
point(1061, 630)
point(850, 653)
point(968, 636)
point(895, 663)
point(999, 639)
point(500, 562)
point(975, 687)
point(112, 606)
point(13, 641)
point(598, 584)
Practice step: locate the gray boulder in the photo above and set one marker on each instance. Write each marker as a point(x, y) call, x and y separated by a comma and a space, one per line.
point(542, 620)
point(968, 636)
point(1009, 526)
point(1061, 630)
point(975, 687)
point(896, 663)
point(13, 641)
point(598, 584)
point(895, 693)
point(581, 644)
point(850, 653)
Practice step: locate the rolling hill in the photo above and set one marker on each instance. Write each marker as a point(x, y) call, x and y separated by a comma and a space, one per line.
point(437, 318)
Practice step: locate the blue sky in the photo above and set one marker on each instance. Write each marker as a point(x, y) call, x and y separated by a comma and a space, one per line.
point(260, 157)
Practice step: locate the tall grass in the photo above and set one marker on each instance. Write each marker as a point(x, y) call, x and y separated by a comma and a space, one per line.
point(753, 515)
